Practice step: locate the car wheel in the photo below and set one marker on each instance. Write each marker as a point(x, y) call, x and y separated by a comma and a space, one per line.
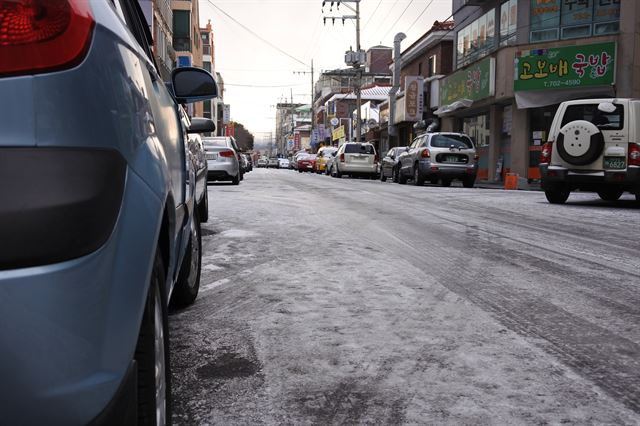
point(203, 208)
point(468, 182)
point(395, 175)
point(241, 176)
point(610, 194)
point(338, 173)
point(557, 194)
point(433, 180)
point(235, 180)
point(188, 283)
point(445, 182)
point(417, 179)
point(402, 179)
point(152, 354)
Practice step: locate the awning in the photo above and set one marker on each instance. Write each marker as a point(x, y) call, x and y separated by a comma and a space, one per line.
point(446, 109)
point(541, 98)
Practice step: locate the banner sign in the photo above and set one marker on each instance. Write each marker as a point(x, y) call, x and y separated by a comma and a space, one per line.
point(414, 93)
point(474, 83)
point(226, 113)
point(229, 130)
point(296, 140)
point(545, 14)
point(338, 133)
point(565, 67)
point(322, 134)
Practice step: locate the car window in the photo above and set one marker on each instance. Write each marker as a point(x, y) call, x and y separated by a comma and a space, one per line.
point(355, 148)
point(448, 141)
point(591, 113)
point(215, 142)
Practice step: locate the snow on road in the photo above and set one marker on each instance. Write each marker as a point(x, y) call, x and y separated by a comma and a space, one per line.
point(339, 301)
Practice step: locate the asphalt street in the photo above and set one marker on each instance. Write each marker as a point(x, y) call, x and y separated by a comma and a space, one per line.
point(349, 301)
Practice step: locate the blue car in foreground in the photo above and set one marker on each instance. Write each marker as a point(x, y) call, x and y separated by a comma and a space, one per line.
point(99, 221)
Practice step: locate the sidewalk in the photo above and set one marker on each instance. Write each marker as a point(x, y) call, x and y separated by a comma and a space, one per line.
point(523, 185)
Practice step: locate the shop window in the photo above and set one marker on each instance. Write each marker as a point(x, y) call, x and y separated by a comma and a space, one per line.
point(476, 40)
point(568, 19)
point(508, 22)
point(477, 128)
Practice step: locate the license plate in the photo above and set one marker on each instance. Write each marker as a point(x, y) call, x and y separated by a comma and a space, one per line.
point(452, 159)
point(211, 156)
point(615, 163)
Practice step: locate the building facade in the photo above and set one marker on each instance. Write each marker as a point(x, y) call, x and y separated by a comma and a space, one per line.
point(187, 41)
point(159, 17)
point(516, 60)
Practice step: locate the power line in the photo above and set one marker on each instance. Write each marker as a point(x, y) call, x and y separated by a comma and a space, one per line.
point(401, 15)
point(249, 30)
point(264, 87)
point(421, 13)
point(371, 16)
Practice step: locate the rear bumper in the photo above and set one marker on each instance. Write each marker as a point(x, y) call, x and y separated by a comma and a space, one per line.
point(627, 179)
point(454, 171)
point(356, 168)
point(219, 170)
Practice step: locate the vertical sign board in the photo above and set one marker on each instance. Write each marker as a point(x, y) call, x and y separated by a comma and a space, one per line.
point(226, 114)
point(296, 140)
point(414, 98)
point(229, 130)
point(565, 67)
point(184, 61)
point(322, 135)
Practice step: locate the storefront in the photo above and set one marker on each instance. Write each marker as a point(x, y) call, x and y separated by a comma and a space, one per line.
point(546, 77)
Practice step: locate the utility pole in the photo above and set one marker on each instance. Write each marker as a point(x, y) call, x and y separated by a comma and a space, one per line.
point(355, 59)
point(312, 92)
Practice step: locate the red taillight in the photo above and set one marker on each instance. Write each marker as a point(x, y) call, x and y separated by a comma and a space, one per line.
point(342, 158)
point(43, 35)
point(425, 154)
point(226, 153)
point(545, 154)
point(634, 154)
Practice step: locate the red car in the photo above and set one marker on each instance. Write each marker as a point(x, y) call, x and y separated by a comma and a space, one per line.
point(306, 163)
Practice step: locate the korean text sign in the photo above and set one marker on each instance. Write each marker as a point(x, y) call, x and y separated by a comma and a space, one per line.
point(565, 67)
point(475, 82)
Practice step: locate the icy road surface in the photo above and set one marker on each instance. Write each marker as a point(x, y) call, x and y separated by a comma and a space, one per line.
point(345, 301)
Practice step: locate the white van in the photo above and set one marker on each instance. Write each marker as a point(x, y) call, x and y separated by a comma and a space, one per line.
point(593, 146)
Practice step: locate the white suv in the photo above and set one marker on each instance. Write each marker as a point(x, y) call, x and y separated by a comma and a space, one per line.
point(355, 158)
point(593, 146)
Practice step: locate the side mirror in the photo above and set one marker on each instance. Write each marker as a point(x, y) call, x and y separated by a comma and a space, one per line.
point(201, 125)
point(193, 85)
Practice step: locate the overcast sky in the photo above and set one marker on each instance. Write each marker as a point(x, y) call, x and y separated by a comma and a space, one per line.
point(247, 63)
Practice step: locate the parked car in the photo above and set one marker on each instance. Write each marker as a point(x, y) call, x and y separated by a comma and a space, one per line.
point(223, 159)
point(198, 157)
point(100, 226)
point(329, 162)
point(273, 162)
point(593, 146)
point(306, 162)
point(244, 163)
point(324, 154)
point(249, 162)
point(294, 160)
point(439, 157)
point(355, 159)
point(389, 164)
point(283, 163)
point(262, 162)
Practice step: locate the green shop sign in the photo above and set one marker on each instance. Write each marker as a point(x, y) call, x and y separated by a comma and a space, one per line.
point(474, 83)
point(565, 67)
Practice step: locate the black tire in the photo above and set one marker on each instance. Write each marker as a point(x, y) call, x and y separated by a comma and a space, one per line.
point(445, 182)
point(395, 174)
point(235, 180)
point(610, 194)
point(338, 174)
point(241, 176)
point(147, 352)
point(188, 283)
point(418, 180)
point(433, 180)
point(402, 179)
point(383, 178)
point(468, 182)
point(299, 171)
point(557, 194)
point(203, 207)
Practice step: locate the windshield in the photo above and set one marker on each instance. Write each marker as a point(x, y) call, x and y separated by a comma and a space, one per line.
point(354, 148)
point(590, 112)
point(214, 142)
point(448, 141)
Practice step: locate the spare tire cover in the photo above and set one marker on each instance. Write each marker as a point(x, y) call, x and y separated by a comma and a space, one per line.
point(580, 143)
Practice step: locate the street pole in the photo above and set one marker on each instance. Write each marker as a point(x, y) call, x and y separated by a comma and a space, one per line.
point(356, 65)
point(358, 79)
